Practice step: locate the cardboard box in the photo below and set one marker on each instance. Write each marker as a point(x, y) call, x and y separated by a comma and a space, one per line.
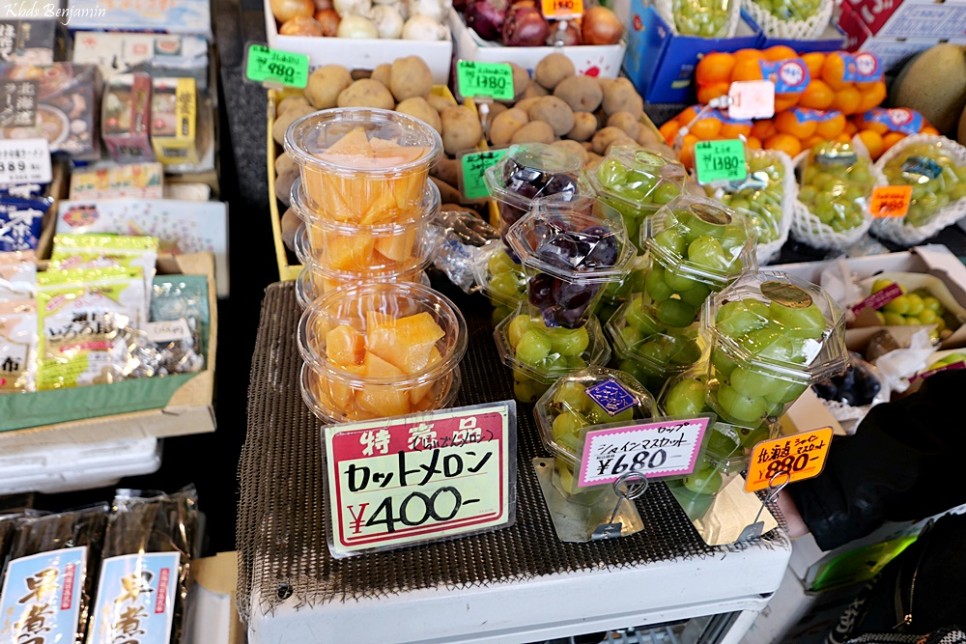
point(143, 16)
point(159, 55)
point(138, 180)
point(919, 19)
point(593, 60)
point(892, 52)
point(213, 615)
point(174, 120)
point(361, 53)
point(188, 409)
point(126, 118)
point(661, 64)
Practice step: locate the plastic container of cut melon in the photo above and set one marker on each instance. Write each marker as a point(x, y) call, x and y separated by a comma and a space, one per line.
point(363, 165)
point(380, 349)
point(357, 248)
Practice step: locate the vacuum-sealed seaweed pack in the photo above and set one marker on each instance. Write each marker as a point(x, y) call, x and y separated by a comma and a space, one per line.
point(150, 541)
point(49, 576)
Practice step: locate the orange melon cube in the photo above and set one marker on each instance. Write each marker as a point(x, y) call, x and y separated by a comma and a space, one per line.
point(354, 143)
point(349, 252)
point(398, 248)
point(383, 400)
point(419, 393)
point(406, 342)
point(345, 346)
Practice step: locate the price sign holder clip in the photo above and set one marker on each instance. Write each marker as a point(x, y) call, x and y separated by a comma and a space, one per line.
point(577, 518)
point(754, 529)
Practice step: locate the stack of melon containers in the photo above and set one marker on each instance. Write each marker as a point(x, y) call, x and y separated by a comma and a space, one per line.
point(376, 340)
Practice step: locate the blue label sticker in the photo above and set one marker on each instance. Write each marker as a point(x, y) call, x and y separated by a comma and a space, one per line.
point(40, 600)
point(806, 114)
point(135, 598)
point(789, 76)
point(862, 68)
point(922, 166)
point(21, 222)
point(612, 396)
point(897, 119)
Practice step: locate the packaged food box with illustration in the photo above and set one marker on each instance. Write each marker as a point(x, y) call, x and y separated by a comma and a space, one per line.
point(157, 54)
point(126, 118)
point(29, 41)
point(174, 120)
point(159, 16)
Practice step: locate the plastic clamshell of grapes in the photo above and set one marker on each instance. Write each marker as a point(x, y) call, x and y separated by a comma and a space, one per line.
point(935, 168)
point(530, 171)
point(771, 336)
point(542, 354)
point(363, 165)
point(350, 247)
point(636, 183)
point(591, 398)
point(704, 18)
point(371, 342)
point(500, 277)
point(570, 251)
point(652, 351)
point(836, 186)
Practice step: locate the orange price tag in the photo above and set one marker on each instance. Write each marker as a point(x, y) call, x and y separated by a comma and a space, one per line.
point(802, 456)
point(890, 201)
point(560, 9)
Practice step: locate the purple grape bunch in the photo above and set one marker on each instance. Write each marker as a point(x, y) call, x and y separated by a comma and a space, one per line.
point(531, 183)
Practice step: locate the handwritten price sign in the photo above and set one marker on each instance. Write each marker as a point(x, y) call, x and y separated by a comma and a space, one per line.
point(472, 167)
point(720, 161)
point(656, 449)
point(801, 456)
point(484, 80)
point(274, 67)
point(890, 201)
point(562, 9)
point(400, 481)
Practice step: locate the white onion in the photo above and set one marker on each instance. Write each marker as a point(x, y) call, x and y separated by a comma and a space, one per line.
point(388, 22)
point(434, 9)
point(424, 28)
point(357, 27)
point(352, 7)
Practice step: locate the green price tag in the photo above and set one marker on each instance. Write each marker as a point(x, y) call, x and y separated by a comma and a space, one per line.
point(720, 161)
point(266, 65)
point(472, 166)
point(493, 80)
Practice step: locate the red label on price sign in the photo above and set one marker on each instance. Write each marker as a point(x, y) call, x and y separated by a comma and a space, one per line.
point(399, 481)
point(800, 456)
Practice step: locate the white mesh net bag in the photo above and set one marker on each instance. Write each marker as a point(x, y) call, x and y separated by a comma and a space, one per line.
point(934, 204)
point(728, 9)
point(826, 220)
point(801, 29)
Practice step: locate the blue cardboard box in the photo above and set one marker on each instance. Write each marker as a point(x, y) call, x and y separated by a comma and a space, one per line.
point(661, 64)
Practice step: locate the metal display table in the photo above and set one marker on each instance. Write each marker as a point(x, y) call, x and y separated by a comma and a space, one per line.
point(519, 584)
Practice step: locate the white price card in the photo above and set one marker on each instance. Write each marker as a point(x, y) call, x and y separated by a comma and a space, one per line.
point(24, 161)
point(424, 477)
point(657, 449)
point(751, 100)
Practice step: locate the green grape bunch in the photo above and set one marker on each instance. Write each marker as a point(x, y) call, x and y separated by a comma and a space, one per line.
point(937, 179)
point(836, 186)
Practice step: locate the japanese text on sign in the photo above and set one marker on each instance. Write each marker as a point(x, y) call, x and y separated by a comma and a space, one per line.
point(18, 103)
point(265, 65)
point(657, 449)
point(472, 166)
point(890, 201)
point(801, 456)
point(419, 478)
point(24, 161)
point(751, 100)
point(561, 9)
point(720, 161)
point(878, 299)
point(482, 80)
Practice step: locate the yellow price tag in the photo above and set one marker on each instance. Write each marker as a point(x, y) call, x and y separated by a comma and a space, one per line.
point(561, 9)
point(801, 456)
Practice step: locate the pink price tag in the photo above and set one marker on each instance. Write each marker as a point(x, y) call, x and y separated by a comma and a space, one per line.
point(878, 300)
point(751, 99)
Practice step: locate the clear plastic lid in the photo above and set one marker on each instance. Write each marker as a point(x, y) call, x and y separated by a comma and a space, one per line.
point(382, 332)
point(500, 277)
point(314, 281)
point(836, 184)
point(698, 238)
point(760, 196)
point(637, 333)
point(637, 180)
point(362, 140)
point(588, 398)
point(530, 171)
point(581, 239)
point(773, 324)
point(936, 173)
point(544, 353)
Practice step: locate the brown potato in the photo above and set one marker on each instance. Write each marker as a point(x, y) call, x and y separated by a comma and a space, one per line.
point(587, 145)
point(461, 129)
point(410, 77)
point(621, 96)
point(290, 224)
point(366, 93)
point(626, 122)
point(662, 149)
point(592, 158)
point(524, 104)
point(447, 193)
point(521, 79)
point(418, 107)
point(581, 93)
point(553, 69)
point(620, 141)
point(438, 103)
point(606, 136)
point(447, 170)
point(553, 111)
point(533, 90)
point(284, 163)
point(646, 135)
point(382, 73)
point(325, 85)
point(585, 124)
point(289, 102)
point(283, 121)
point(534, 132)
point(572, 148)
point(505, 125)
point(283, 185)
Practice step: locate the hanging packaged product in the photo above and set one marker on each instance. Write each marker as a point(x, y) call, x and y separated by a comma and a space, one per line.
point(143, 581)
point(103, 251)
point(126, 118)
point(48, 583)
point(81, 315)
point(21, 221)
point(179, 302)
point(18, 346)
point(174, 115)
